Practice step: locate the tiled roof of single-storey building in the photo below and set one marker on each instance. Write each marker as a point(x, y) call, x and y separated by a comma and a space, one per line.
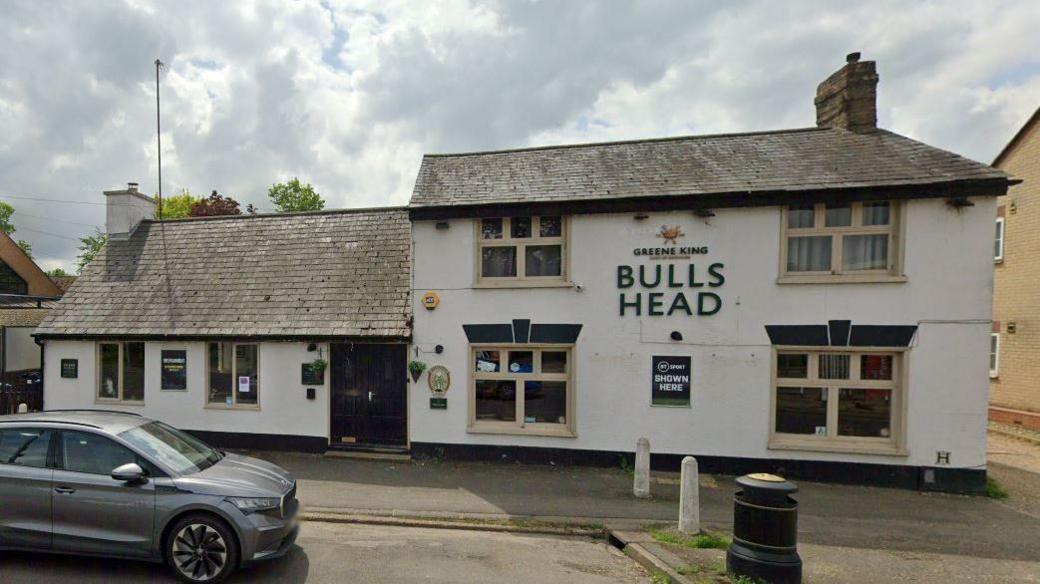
point(800, 160)
point(323, 274)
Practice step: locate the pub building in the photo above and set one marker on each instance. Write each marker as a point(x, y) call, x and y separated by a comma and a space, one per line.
point(813, 302)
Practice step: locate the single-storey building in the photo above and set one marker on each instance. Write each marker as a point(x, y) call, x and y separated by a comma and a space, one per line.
point(261, 331)
point(813, 301)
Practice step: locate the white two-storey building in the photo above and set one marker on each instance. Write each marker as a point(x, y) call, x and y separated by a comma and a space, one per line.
point(811, 301)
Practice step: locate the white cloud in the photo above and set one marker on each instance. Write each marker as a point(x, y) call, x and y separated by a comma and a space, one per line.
point(348, 95)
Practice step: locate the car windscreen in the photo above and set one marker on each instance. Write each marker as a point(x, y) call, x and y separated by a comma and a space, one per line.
point(177, 450)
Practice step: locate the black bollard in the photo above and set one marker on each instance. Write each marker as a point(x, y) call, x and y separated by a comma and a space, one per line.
point(765, 530)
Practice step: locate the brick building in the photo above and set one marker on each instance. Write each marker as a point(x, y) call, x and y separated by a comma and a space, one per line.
point(1015, 342)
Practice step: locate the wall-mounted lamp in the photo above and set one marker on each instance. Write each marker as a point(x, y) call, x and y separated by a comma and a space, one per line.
point(1012, 207)
point(310, 393)
point(441, 225)
point(438, 349)
point(640, 216)
point(704, 213)
point(1011, 328)
point(676, 336)
point(959, 202)
point(311, 347)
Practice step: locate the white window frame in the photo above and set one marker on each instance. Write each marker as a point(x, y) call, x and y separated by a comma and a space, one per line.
point(893, 445)
point(994, 355)
point(122, 382)
point(519, 426)
point(891, 273)
point(234, 378)
point(999, 240)
point(521, 243)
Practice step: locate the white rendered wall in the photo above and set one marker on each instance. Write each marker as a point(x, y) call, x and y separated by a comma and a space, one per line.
point(284, 408)
point(948, 261)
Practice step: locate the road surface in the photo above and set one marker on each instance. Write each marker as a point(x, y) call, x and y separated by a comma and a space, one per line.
point(337, 553)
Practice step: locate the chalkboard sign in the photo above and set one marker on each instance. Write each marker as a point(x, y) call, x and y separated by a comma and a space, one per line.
point(309, 375)
point(70, 368)
point(670, 381)
point(174, 369)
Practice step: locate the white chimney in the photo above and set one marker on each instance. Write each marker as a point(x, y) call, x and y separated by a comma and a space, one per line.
point(124, 211)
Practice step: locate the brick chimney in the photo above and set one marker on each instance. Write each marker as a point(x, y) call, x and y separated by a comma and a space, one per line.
point(848, 98)
point(124, 211)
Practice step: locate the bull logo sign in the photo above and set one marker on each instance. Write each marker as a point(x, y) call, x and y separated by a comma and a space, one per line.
point(670, 233)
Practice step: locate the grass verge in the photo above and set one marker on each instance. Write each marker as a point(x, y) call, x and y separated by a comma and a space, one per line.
point(704, 540)
point(994, 490)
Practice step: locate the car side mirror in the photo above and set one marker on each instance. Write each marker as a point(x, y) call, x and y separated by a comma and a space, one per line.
point(130, 473)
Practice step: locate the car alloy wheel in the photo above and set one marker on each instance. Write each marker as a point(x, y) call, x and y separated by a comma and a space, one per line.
point(199, 552)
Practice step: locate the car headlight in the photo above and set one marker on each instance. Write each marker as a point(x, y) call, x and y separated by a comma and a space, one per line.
point(249, 505)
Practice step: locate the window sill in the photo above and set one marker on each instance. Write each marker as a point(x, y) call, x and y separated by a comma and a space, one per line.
point(841, 279)
point(100, 401)
point(524, 284)
point(998, 261)
point(232, 408)
point(847, 447)
point(513, 430)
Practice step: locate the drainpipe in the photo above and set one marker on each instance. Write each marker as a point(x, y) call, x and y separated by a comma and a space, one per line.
point(3, 364)
point(42, 346)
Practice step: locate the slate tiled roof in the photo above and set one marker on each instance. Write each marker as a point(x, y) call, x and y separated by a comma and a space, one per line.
point(789, 160)
point(22, 316)
point(336, 273)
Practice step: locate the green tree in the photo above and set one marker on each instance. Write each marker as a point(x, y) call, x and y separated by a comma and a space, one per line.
point(293, 197)
point(215, 204)
point(58, 273)
point(89, 247)
point(178, 205)
point(6, 210)
point(26, 247)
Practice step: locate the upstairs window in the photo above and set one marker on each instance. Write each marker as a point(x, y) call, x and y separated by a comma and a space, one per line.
point(847, 239)
point(998, 242)
point(994, 355)
point(120, 372)
point(523, 250)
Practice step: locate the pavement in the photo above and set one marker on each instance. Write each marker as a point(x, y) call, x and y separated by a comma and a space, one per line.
point(865, 518)
point(330, 553)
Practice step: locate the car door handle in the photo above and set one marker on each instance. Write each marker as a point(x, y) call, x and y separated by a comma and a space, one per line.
point(64, 490)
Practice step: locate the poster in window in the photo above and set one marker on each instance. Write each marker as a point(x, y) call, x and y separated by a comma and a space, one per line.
point(243, 384)
point(174, 369)
point(670, 380)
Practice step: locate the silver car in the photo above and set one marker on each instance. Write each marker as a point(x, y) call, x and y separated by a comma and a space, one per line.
point(120, 485)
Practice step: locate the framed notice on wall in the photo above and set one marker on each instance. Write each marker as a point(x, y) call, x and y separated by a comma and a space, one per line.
point(70, 368)
point(670, 380)
point(174, 369)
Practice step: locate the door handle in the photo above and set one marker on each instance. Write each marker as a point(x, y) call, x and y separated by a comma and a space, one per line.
point(370, 394)
point(64, 490)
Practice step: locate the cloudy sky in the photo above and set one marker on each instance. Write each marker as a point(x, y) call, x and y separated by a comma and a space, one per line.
point(349, 95)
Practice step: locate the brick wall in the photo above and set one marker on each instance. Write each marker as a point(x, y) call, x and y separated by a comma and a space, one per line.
point(1017, 282)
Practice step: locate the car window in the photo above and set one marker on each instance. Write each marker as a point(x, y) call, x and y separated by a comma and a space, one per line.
point(24, 446)
point(93, 453)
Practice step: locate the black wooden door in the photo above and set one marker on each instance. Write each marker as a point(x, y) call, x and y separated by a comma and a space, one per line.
point(369, 386)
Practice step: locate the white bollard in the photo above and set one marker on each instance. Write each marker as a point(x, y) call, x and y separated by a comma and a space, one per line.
point(689, 497)
point(23, 408)
point(641, 486)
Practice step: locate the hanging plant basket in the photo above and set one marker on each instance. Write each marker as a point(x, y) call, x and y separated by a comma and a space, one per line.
point(319, 365)
point(415, 369)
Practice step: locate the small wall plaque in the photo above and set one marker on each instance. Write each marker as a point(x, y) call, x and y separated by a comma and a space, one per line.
point(310, 376)
point(438, 403)
point(70, 368)
point(439, 380)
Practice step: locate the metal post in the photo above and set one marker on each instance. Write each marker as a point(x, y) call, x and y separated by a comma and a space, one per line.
point(641, 485)
point(689, 497)
point(158, 133)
